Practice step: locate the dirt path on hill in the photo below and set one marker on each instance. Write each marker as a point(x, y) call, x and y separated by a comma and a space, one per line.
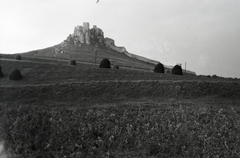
point(58, 59)
point(89, 63)
point(88, 82)
point(25, 61)
point(42, 58)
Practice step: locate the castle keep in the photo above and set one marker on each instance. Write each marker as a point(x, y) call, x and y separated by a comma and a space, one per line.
point(84, 34)
point(95, 36)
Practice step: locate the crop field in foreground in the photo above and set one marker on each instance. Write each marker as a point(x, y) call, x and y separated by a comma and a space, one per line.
point(128, 129)
point(61, 111)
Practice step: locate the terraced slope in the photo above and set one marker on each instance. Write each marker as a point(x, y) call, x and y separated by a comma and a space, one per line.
point(63, 83)
point(57, 71)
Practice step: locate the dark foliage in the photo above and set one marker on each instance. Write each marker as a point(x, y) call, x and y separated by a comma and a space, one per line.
point(214, 76)
point(177, 70)
point(115, 67)
point(105, 63)
point(72, 62)
point(18, 57)
point(1, 74)
point(15, 75)
point(159, 68)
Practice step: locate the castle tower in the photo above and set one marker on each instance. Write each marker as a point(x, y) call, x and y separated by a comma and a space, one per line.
point(85, 27)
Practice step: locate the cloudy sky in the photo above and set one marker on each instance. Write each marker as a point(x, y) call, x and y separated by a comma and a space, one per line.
point(203, 33)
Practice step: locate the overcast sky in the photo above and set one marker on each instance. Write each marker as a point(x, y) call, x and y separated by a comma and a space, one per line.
point(203, 33)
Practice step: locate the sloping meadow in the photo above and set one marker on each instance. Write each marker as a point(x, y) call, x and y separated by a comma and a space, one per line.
point(58, 111)
point(115, 90)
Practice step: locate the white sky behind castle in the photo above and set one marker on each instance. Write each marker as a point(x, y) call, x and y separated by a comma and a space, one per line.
point(203, 33)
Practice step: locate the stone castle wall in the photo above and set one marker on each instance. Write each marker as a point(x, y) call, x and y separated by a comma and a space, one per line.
point(84, 34)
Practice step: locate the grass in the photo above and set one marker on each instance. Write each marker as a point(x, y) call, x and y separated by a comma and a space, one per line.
point(59, 111)
point(50, 72)
point(110, 91)
point(86, 53)
point(172, 130)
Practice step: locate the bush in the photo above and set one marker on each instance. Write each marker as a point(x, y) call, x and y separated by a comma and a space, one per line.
point(115, 67)
point(15, 75)
point(177, 70)
point(159, 68)
point(1, 74)
point(18, 57)
point(72, 62)
point(214, 76)
point(105, 63)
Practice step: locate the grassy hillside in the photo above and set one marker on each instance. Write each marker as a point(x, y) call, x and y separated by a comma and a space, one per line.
point(86, 53)
point(58, 111)
point(64, 83)
point(39, 71)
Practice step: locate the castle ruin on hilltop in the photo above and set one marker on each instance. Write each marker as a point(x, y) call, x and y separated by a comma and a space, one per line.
point(86, 35)
point(94, 36)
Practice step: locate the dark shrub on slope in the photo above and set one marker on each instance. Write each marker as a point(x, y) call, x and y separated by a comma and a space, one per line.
point(115, 67)
point(105, 63)
point(15, 75)
point(18, 57)
point(177, 70)
point(1, 74)
point(159, 68)
point(72, 62)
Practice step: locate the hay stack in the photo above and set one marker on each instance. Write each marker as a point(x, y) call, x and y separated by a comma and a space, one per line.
point(105, 63)
point(159, 68)
point(177, 70)
point(15, 75)
point(72, 62)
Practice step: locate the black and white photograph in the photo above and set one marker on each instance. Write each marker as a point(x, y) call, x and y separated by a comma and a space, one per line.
point(119, 79)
